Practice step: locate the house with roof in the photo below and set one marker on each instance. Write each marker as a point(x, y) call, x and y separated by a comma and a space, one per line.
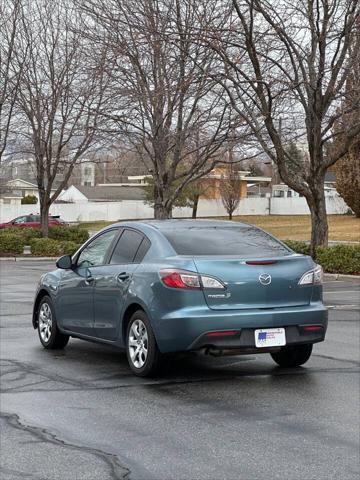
point(102, 193)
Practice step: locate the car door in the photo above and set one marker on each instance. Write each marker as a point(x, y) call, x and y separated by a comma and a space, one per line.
point(113, 280)
point(75, 299)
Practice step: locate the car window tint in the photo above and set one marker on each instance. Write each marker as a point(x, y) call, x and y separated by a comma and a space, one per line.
point(244, 241)
point(126, 247)
point(95, 252)
point(142, 250)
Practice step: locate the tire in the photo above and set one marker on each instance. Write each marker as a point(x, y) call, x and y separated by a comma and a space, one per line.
point(50, 336)
point(142, 351)
point(293, 356)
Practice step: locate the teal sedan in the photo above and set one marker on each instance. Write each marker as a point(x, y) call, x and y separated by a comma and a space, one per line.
point(155, 287)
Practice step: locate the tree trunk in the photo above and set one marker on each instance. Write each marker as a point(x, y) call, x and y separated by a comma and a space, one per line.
point(44, 216)
point(319, 224)
point(195, 206)
point(230, 215)
point(161, 211)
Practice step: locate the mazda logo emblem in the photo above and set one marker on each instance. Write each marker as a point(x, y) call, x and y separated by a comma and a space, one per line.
point(265, 279)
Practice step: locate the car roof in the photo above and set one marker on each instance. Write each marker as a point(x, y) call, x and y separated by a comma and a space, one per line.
point(181, 224)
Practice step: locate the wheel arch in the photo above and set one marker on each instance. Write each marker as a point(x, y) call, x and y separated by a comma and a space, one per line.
point(128, 312)
point(43, 292)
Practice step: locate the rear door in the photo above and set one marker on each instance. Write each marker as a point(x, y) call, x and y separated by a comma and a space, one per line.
point(112, 282)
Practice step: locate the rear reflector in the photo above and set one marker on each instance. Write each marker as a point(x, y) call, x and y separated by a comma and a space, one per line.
point(261, 262)
point(224, 333)
point(312, 328)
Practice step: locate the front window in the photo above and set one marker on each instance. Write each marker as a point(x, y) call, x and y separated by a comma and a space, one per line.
point(19, 220)
point(95, 252)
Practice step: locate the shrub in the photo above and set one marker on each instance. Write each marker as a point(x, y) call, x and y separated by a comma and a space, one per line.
point(340, 259)
point(24, 233)
point(51, 247)
point(29, 200)
point(298, 246)
point(11, 243)
point(337, 259)
point(71, 234)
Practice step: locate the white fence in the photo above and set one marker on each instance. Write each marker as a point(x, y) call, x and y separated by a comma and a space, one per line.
point(112, 211)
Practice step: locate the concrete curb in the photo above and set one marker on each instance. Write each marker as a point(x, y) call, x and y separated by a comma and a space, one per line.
point(339, 276)
point(26, 259)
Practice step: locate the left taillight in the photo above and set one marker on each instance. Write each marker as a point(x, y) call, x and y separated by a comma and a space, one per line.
point(189, 280)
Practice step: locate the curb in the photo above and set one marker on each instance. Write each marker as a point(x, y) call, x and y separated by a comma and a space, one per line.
point(26, 259)
point(339, 276)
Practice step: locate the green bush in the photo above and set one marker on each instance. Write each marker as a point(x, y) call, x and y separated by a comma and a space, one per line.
point(52, 248)
point(340, 259)
point(24, 233)
point(11, 243)
point(71, 234)
point(337, 259)
point(298, 246)
point(29, 200)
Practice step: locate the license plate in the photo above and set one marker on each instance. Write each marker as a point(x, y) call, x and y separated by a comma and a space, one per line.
point(270, 337)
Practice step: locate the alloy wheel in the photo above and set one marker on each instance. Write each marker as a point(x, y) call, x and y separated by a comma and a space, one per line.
point(138, 343)
point(45, 322)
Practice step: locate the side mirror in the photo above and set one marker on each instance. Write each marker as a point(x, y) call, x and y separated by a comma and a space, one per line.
point(64, 262)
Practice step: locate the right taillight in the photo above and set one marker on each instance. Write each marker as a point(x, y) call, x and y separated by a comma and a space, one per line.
point(189, 280)
point(313, 277)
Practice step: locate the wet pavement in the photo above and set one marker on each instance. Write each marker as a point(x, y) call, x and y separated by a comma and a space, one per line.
point(80, 413)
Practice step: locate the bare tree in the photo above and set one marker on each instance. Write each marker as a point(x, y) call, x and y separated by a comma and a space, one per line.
point(60, 98)
point(10, 20)
point(230, 190)
point(347, 169)
point(285, 67)
point(165, 101)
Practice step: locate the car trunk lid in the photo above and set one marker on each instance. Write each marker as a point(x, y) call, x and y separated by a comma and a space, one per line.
point(254, 283)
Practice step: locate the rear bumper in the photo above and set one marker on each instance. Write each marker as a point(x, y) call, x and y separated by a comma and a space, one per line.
point(186, 329)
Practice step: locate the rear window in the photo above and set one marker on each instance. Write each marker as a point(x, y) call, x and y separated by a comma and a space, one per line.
point(239, 241)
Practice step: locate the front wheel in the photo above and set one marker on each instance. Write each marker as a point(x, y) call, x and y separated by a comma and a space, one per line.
point(293, 355)
point(50, 336)
point(142, 351)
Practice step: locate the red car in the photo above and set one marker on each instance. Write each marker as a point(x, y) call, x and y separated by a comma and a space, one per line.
point(33, 221)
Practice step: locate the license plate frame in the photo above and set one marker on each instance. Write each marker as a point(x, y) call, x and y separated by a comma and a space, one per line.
point(270, 337)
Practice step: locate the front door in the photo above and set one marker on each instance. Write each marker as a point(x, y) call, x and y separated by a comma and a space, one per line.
point(75, 299)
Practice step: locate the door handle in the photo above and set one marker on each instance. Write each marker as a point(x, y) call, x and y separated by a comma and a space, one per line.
point(123, 276)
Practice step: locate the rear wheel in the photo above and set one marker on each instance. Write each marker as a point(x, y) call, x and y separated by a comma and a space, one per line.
point(293, 355)
point(50, 336)
point(142, 351)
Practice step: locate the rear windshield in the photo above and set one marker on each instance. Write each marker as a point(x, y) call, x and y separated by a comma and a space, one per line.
point(240, 241)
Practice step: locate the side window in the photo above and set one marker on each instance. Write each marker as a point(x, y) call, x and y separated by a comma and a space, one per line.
point(95, 252)
point(126, 247)
point(20, 220)
point(142, 250)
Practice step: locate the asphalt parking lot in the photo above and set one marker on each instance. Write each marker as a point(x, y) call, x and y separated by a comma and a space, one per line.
point(81, 414)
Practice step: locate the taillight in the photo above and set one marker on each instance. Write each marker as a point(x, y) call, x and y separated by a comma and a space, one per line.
point(189, 280)
point(313, 277)
point(179, 279)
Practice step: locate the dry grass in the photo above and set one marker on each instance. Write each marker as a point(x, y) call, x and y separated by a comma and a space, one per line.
point(298, 227)
point(287, 227)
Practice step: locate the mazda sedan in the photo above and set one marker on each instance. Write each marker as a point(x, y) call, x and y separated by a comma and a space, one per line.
point(156, 287)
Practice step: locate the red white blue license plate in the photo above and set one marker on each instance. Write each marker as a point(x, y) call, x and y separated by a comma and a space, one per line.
point(270, 337)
